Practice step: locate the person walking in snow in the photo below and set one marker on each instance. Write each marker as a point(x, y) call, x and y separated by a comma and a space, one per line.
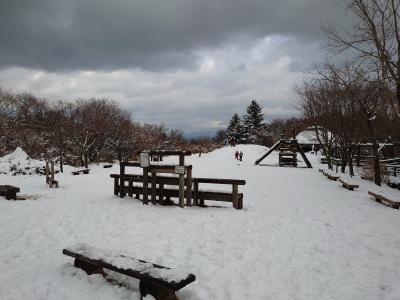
point(241, 155)
point(237, 155)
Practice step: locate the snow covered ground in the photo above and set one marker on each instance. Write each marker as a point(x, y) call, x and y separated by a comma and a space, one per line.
point(299, 236)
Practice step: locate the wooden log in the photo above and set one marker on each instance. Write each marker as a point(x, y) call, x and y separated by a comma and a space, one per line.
point(153, 188)
point(235, 197)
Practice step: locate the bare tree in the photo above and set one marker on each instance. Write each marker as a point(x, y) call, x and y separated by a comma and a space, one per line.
point(374, 40)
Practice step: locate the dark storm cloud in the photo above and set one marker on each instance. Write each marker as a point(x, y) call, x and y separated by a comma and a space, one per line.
point(148, 34)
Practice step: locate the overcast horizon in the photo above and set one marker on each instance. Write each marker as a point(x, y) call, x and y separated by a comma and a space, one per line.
point(184, 63)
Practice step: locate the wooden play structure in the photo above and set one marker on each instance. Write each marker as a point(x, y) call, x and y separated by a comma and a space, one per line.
point(159, 281)
point(180, 185)
point(288, 150)
point(50, 174)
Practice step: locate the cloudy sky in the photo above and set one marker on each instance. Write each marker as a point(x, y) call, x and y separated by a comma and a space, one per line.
point(189, 64)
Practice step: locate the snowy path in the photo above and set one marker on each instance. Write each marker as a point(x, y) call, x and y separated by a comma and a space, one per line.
point(300, 236)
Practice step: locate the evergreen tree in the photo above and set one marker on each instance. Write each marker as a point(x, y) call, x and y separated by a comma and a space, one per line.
point(254, 117)
point(253, 120)
point(234, 132)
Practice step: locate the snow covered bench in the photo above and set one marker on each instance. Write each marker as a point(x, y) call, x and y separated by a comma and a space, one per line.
point(84, 171)
point(331, 176)
point(348, 185)
point(382, 199)
point(167, 187)
point(159, 281)
point(9, 191)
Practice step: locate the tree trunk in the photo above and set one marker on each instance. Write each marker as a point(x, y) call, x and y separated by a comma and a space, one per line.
point(350, 160)
point(61, 163)
point(86, 159)
point(375, 147)
point(343, 156)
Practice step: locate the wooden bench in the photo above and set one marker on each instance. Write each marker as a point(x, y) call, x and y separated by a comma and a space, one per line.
point(347, 185)
point(161, 191)
point(159, 281)
point(381, 199)
point(331, 176)
point(235, 197)
point(9, 191)
point(324, 160)
point(84, 171)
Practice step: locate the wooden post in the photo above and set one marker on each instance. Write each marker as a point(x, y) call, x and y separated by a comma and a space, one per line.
point(130, 188)
point(47, 172)
point(145, 186)
point(153, 187)
point(189, 186)
point(196, 192)
point(182, 190)
point(122, 180)
point(181, 159)
point(116, 187)
point(235, 192)
point(161, 197)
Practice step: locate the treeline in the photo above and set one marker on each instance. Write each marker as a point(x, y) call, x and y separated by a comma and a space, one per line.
point(251, 128)
point(83, 131)
point(358, 100)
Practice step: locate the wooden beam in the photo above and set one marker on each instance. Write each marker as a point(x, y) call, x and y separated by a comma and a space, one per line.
point(220, 181)
point(269, 152)
point(303, 155)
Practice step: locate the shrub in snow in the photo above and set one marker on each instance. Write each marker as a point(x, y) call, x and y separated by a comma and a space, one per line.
point(19, 163)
